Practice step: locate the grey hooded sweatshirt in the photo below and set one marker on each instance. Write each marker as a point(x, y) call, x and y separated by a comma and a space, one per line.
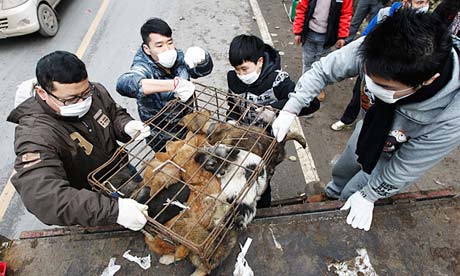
point(425, 132)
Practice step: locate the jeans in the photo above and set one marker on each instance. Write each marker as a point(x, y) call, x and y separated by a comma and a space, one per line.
point(364, 8)
point(313, 49)
point(347, 176)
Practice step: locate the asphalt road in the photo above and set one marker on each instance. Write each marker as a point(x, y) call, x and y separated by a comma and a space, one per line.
point(210, 24)
point(206, 23)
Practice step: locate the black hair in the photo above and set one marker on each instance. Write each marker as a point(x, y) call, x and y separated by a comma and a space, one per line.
point(245, 48)
point(157, 26)
point(407, 47)
point(59, 66)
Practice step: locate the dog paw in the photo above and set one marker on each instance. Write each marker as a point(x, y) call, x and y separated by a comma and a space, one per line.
point(167, 259)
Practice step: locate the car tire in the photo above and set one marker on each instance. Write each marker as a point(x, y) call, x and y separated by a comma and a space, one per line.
point(48, 20)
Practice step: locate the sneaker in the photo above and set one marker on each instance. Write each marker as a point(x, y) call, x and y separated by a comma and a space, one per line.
point(322, 96)
point(339, 125)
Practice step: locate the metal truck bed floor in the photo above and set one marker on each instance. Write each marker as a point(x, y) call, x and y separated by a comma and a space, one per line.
point(416, 238)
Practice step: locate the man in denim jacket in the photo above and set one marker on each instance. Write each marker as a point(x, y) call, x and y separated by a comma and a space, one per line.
point(160, 73)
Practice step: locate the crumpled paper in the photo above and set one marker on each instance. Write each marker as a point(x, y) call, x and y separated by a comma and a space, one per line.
point(242, 267)
point(143, 262)
point(111, 269)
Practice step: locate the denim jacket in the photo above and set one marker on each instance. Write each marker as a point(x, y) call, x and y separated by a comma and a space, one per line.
point(143, 67)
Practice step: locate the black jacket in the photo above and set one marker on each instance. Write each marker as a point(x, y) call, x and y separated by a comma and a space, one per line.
point(272, 80)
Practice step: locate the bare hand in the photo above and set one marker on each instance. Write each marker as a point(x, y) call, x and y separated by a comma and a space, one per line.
point(340, 43)
point(298, 39)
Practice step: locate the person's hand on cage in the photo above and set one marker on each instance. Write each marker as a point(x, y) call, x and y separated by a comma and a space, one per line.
point(183, 89)
point(282, 124)
point(137, 130)
point(131, 214)
point(194, 56)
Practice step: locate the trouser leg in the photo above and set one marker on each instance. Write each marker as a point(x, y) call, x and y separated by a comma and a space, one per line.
point(346, 167)
point(308, 55)
point(359, 14)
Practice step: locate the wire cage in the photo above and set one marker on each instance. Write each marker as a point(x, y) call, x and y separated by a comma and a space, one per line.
point(200, 176)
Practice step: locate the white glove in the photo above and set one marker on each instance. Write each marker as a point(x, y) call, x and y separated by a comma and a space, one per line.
point(282, 124)
point(360, 215)
point(133, 128)
point(265, 114)
point(131, 214)
point(194, 56)
point(232, 122)
point(183, 88)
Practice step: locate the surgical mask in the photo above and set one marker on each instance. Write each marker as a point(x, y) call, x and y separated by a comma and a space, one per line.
point(249, 78)
point(384, 94)
point(167, 58)
point(423, 9)
point(78, 109)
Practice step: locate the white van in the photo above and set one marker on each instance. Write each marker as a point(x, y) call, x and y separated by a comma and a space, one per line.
point(20, 17)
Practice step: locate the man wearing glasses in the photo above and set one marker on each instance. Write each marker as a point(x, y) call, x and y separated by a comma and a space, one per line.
point(66, 130)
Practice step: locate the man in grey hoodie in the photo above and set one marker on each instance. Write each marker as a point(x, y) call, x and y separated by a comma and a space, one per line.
point(411, 70)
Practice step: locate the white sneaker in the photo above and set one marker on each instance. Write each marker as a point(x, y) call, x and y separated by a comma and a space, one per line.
point(339, 125)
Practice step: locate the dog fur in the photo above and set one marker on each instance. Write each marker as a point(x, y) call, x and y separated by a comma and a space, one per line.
point(251, 138)
point(235, 167)
point(204, 210)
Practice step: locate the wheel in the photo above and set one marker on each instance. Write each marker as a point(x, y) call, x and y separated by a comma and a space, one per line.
point(48, 21)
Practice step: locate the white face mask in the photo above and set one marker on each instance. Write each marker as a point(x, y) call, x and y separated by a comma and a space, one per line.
point(423, 9)
point(384, 94)
point(249, 78)
point(78, 109)
point(168, 58)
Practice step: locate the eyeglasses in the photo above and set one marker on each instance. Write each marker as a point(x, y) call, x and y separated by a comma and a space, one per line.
point(75, 99)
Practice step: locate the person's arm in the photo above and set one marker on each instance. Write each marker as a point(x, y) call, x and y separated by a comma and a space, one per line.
point(371, 25)
point(139, 81)
point(204, 68)
point(381, 15)
point(42, 183)
point(152, 86)
point(283, 87)
point(412, 160)
point(345, 19)
point(297, 25)
point(337, 66)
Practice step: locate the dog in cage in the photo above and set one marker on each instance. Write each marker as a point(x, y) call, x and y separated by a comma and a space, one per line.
point(235, 167)
point(250, 138)
point(202, 211)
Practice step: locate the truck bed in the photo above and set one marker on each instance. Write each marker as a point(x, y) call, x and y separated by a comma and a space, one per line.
point(408, 238)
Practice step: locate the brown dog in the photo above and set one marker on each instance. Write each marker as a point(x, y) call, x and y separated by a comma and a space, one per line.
point(204, 210)
point(250, 138)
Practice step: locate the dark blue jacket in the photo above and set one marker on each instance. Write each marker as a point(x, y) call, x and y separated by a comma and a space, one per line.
point(143, 67)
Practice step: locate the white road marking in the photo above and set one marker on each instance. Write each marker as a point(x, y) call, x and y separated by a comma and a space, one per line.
point(6, 196)
point(8, 191)
point(306, 160)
